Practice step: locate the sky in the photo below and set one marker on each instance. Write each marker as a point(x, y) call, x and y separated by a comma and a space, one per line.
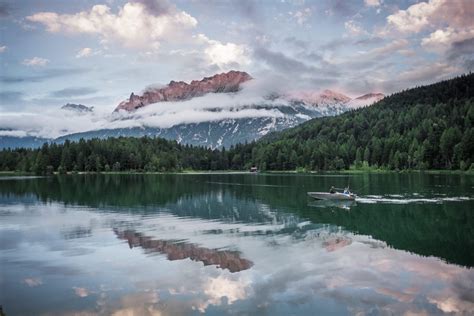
point(96, 52)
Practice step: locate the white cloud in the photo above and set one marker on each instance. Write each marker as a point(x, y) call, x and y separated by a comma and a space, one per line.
point(390, 48)
point(415, 17)
point(85, 52)
point(2, 49)
point(144, 26)
point(224, 55)
point(434, 13)
point(35, 62)
point(354, 28)
point(302, 16)
point(441, 40)
point(17, 133)
point(372, 3)
point(134, 25)
point(52, 123)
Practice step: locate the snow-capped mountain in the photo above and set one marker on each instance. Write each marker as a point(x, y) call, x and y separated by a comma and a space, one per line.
point(327, 98)
point(215, 134)
point(213, 112)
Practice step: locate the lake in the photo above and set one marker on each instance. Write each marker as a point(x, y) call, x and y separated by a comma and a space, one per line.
point(251, 244)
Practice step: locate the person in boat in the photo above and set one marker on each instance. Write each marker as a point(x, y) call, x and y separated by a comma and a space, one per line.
point(332, 190)
point(346, 191)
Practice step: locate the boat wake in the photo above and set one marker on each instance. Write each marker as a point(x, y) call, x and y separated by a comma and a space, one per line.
point(399, 199)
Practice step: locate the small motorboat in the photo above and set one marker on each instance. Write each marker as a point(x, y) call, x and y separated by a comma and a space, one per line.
point(346, 195)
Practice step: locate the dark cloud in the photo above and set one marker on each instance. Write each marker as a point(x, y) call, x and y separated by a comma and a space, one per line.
point(462, 52)
point(298, 73)
point(335, 44)
point(457, 13)
point(296, 42)
point(157, 7)
point(369, 41)
point(281, 62)
point(312, 56)
point(72, 92)
point(247, 9)
point(11, 96)
point(323, 82)
point(344, 42)
point(343, 8)
point(43, 75)
point(12, 100)
point(4, 9)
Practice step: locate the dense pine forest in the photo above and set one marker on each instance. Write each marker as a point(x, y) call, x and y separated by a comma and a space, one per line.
point(430, 127)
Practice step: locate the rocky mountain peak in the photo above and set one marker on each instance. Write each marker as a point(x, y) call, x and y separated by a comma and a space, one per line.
point(180, 90)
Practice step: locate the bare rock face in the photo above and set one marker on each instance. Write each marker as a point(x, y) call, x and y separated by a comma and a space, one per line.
point(180, 91)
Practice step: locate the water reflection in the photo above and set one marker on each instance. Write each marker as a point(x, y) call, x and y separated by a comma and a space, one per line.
point(223, 259)
point(336, 243)
point(67, 254)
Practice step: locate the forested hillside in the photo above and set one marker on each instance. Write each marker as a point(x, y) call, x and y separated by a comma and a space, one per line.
point(113, 154)
point(430, 127)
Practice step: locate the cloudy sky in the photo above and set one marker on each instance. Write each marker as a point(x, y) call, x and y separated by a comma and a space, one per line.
point(96, 52)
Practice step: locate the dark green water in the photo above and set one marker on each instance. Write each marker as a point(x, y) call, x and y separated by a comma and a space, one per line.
point(237, 244)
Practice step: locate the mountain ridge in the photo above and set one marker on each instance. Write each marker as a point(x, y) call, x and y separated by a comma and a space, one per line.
point(180, 90)
point(429, 127)
point(276, 112)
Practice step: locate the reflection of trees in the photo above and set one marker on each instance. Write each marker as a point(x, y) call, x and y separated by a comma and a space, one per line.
point(100, 190)
point(224, 259)
point(183, 195)
point(426, 229)
point(441, 230)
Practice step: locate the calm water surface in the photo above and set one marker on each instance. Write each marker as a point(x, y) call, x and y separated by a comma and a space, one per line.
point(237, 244)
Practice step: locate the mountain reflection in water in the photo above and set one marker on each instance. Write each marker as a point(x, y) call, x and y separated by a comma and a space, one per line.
point(223, 259)
point(63, 246)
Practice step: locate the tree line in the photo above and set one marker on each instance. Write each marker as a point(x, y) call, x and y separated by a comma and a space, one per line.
point(429, 127)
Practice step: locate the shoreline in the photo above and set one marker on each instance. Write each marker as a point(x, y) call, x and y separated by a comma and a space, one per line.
point(269, 172)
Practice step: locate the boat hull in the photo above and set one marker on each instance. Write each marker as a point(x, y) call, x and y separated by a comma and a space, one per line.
point(332, 196)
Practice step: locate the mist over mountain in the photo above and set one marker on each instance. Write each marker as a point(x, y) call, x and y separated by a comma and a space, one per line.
point(221, 110)
point(429, 127)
